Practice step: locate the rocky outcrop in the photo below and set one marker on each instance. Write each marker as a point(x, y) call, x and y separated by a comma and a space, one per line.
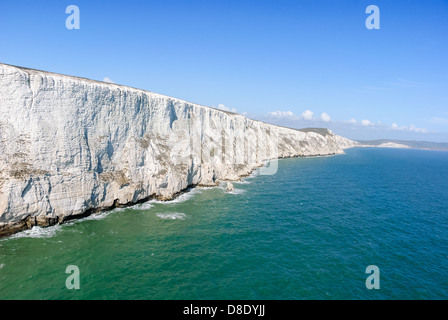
point(230, 187)
point(71, 146)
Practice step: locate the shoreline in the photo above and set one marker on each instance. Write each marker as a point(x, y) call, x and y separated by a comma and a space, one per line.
point(132, 138)
point(188, 189)
point(29, 222)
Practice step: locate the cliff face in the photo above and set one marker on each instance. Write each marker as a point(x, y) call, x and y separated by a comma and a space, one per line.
point(70, 146)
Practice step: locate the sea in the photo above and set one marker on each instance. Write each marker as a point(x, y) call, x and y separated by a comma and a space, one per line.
point(314, 230)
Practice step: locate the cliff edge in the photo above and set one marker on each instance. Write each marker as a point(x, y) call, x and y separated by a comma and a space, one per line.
point(71, 146)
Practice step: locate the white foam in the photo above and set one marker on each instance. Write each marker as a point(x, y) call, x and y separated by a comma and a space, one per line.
point(223, 186)
point(172, 216)
point(142, 206)
point(181, 198)
point(99, 216)
point(105, 214)
point(204, 188)
point(96, 216)
point(256, 172)
point(2, 265)
point(37, 232)
point(237, 191)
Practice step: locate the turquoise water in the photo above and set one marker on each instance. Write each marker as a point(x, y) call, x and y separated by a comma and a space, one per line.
point(308, 232)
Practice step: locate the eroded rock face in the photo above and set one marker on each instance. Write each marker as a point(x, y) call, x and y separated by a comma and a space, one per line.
point(70, 146)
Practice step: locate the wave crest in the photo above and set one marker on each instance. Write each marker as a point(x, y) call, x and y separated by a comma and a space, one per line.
point(172, 216)
point(37, 232)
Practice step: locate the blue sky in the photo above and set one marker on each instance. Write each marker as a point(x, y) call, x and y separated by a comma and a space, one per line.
point(296, 63)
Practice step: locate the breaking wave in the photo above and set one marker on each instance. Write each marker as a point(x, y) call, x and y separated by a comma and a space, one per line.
point(37, 232)
point(237, 191)
point(172, 216)
point(180, 198)
point(142, 206)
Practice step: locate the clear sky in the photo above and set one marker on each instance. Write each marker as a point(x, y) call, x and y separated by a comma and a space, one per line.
point(296, 63)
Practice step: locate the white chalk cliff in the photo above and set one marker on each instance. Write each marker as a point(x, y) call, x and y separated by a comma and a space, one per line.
point(71, 146)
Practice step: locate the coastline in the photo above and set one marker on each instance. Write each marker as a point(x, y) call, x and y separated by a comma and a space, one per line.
point(72, 147)
point(28, 223)
point(308, 207)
